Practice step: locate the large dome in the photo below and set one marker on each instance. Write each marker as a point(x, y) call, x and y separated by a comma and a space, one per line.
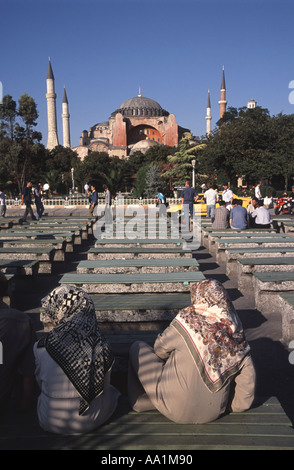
point(140, 106)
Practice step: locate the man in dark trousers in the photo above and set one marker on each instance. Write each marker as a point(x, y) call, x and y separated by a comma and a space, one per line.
point(26, 199)
point(94, 199)
point(189, 197)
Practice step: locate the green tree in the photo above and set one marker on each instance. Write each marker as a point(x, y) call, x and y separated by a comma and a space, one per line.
point(179, 165)
point(20, 147)
point(242, 146)
point(152, 181)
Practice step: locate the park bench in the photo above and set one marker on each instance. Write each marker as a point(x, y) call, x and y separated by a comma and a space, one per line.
point(80, 231)
point(286, 301)
point(141, 242)
point(213, 238)
point(223, 244)
point(59, 246)
point(233, 254)
point(207, 231)
point(72, 236)
point(66, 239)
point(137, 252)
point(19, 267)
point(5, 223)
point(246, 267)
point(267, 288)
point(133, 313)
point(264, 427)
point(288, 226)
point(127, 283)
point(78, 221)
point(138, 266)
point(44, 256)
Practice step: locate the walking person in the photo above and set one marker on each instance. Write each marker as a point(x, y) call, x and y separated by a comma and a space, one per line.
point(26, 198)
point(2, 203)
point(189, 197)
point(211, 198)
point(108, 215)
point(94, 200)
point(38, 200)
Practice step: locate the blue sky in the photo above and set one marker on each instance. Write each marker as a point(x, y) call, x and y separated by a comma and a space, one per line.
point(104, 50)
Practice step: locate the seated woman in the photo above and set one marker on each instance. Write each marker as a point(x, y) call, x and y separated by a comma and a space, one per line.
point(73, 366)
point(200, 366)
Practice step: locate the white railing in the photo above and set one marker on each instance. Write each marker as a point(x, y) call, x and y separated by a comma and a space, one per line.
point(71, 201)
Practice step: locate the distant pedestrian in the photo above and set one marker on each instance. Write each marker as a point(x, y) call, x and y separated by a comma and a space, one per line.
point(227, 195)
point(257, 191)
point(108, 215)
point(161, 204)
point(38, 200)
point(211, 198)
point(26, 199)
point(2, 203)
point(189, 197)
point(94, 200)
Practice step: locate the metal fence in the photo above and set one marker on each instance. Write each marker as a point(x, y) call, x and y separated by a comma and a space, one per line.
point(82, 201)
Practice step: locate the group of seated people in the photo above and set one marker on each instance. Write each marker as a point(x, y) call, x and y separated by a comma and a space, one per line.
point(199, 368)
point(236, 216)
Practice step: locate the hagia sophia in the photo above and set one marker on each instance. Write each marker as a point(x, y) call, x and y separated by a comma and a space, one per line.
point(136, 124)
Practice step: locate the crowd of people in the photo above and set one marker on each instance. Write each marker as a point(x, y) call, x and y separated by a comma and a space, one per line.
point(225, 210)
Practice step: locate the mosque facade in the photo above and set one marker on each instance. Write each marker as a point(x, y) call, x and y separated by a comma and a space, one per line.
point(137, 124)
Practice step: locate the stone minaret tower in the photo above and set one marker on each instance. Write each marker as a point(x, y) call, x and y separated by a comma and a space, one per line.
point(65, 120)
point(208, 116)
point(222, 103)
point(51, 110)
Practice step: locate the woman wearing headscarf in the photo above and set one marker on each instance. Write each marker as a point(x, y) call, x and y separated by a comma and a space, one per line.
point(200, 365)
point(73, 366)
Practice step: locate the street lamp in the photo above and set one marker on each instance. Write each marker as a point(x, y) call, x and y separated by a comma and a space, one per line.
point(193, 174)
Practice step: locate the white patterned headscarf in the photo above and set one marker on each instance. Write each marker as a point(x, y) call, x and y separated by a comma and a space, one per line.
point(76, 343)
point(213, 333)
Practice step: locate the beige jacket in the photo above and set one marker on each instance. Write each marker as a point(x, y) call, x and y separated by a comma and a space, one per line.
point(174, 386)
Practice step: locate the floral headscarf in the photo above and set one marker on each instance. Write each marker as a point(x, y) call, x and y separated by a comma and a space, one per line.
point(76, 343)
point(213, 333)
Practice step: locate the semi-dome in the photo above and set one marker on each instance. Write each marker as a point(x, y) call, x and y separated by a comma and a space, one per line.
point(140, 106)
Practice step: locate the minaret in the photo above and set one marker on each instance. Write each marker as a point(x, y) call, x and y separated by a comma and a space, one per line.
point(208, 116)
point(51, 110)
point(222, 103)
point(65, 120)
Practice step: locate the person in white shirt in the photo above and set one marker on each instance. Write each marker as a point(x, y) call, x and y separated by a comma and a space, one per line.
point(257, 191)
point(211, 198)
point(260, 217)
point(227, 195)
